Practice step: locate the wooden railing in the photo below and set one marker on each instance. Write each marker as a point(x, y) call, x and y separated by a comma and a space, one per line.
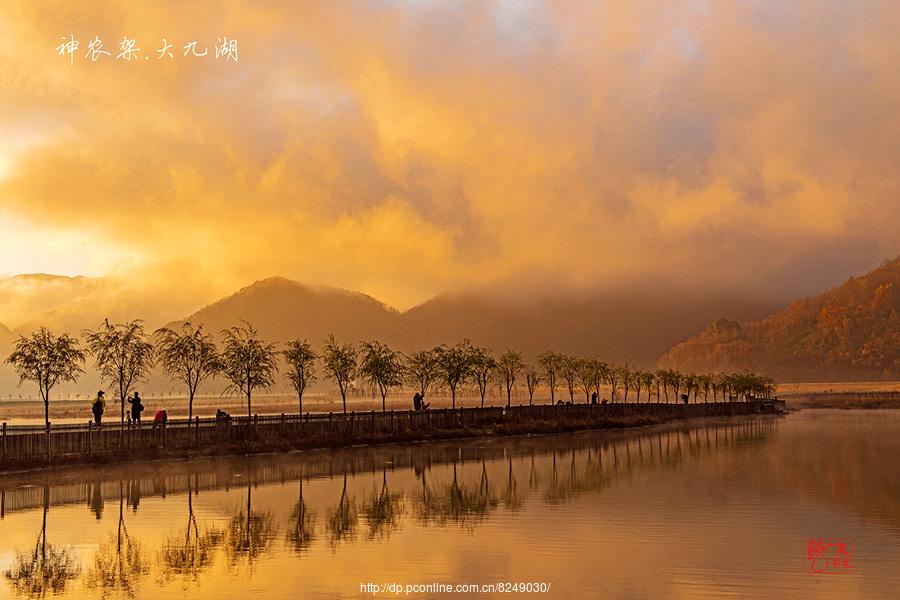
point(29, 443)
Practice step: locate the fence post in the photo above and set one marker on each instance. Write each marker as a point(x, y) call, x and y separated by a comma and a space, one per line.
point(48, 442)
point(90, 440)
point(197, 430)
point(255, 426)
point(4, 442)
point(164, 435)
point(282, 424)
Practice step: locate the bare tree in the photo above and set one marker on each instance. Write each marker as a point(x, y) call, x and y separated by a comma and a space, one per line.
point(532, 381)
point(122, 354)
point(301, 367)
point(586, 374)
point(551, 363)
point(613, 377)
point(601, 373)
point(381, 367)
point(626, 375)
point(483, 367)
point(456, 365)
point(248, 362)
point(422, 368)
point(47, 360)
point(647, 378)
point(569, 370)
point(189, 357)
point(510, 364)
point(340, 361)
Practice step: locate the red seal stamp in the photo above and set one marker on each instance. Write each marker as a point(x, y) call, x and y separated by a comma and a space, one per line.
point(828, 556)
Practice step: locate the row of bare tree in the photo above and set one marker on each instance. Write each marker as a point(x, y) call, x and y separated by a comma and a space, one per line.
point(125, 354)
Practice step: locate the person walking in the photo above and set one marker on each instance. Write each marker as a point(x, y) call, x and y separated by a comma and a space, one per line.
point(98, 406)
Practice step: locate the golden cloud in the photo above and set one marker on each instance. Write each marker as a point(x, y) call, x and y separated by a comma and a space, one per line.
point(406, 148)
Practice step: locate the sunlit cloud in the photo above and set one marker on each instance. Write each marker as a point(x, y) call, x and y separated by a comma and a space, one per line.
point(409, 148)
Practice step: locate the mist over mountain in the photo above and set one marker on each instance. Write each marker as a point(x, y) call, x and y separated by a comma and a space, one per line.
point(6, 336)
point(73, 304)
point(25, 297)
point(849, 332)
point(633, 325)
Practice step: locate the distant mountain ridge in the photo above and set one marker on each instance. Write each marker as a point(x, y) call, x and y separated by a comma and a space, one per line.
point(849, 332)
point(632, 325)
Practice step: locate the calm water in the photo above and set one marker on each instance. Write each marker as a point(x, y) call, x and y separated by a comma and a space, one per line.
point(720, 509)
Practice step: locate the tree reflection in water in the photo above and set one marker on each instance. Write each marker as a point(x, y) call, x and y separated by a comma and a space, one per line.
point(249, 534)
point(511, 497)
point(342, 519)
point(189, 554)
point(558, 470)
point(301, 532)
point(383, 510)
point(457, 502)
point(45, 570)
point(119, 562)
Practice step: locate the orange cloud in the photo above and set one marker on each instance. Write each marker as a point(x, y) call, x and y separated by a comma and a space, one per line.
point(406, 148)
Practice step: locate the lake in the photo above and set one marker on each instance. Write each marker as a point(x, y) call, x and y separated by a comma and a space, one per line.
point(720, 509)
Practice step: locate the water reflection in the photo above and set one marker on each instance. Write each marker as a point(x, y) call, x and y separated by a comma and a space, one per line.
point(382, 510)
point(342, 519)
point(301, 531)
point(45, 569)
point(306, 507)
point(249, 533)
point(188, 554)
point(119, 562)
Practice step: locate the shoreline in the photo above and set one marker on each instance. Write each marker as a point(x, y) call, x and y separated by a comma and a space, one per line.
point(843, 400)
point(278, 435)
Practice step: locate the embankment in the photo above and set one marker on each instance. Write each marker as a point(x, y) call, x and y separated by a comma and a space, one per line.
point(24, 447)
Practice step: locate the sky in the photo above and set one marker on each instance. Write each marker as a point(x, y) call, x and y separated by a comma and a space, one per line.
point(406, 148)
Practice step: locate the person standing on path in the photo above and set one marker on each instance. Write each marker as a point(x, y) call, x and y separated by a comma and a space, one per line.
point(98, 406)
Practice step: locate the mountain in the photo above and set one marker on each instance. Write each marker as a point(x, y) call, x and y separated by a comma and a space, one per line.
point(634, 325)
point(25, 297)
point(849, 332)
point(6, 337)
point(73, 304)
point(281, 309)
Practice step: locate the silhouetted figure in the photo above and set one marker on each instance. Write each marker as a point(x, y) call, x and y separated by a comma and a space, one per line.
point(221, 415)
point(160, 417)
point(684, 398)
point(425, 405)
point(417, 401)
point(594, 398)
point(98, 406)
point(604, 401)
point(136, 407)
